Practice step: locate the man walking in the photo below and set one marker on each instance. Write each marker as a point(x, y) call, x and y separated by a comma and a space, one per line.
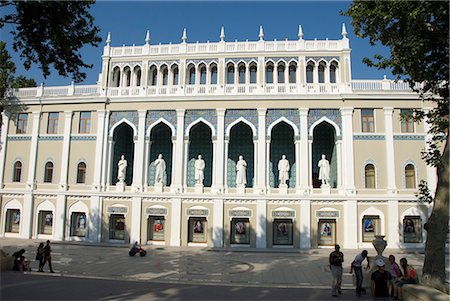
point(336, 260)
point(380, 281)
point(357, 267)
point(48, 256)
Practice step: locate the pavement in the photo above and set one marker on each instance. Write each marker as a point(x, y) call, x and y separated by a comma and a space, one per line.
point(271, 268)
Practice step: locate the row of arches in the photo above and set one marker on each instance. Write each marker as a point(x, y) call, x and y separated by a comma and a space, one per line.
point(409, 176)
point(235, 73)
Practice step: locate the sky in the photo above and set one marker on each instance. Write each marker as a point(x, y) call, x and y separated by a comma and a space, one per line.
point(128, 22)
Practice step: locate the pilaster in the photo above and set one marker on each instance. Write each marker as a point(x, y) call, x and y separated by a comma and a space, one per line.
point(220, 159)
point(65, 150)
point(33, 151)
point(390, 162)
point(94, 219)
point(99, 144)
point(261, 171)
point(175, 225)
point(305, 224)
point(4, 143)
point(393, 236)
point(60, 217)
point(261, 223)
point(136, 207)
point(138, 170)
point(303, 162)
point(350, 222)
point(347, 141)
point(177, 183)
point(218, 223)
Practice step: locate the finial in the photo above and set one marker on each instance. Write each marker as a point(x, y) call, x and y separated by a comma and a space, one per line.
point(344, 31)
point(147, 38)
point(222, 34)
point(108, 39)
point(300, 33)
point(184, 37)
point(261, 33)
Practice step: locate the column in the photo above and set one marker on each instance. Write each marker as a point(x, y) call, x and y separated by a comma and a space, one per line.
point(175, 224)
point(347, 140)
point(275, 73)
point(108, 177)
point(95, 219)
point(225, 166)
point(220, 158)
point(431, 170)
point(136, 206)
point(185, 162)
point(178, 155)
point(27, 215)
point(138, 175)
point(4, 137)
point(33, 150)
point(297, 146)
point(60, 217)
point(390, 162)
point(305, 224)
point(105, 164)
point(339, 164)
point(260, 164)
point(99, 143)
point(65, 150)
point(393, 232)
point(261, 223)
point(310, 163)
point(350, 223)
point(218, 223)
point(304, 161)
point(148, 144)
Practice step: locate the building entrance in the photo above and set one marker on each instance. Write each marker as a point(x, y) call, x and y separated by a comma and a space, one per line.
point(117, 227)
point(155, 230)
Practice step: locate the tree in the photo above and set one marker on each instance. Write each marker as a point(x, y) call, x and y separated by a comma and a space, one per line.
point(417, 33)
point(51, 34)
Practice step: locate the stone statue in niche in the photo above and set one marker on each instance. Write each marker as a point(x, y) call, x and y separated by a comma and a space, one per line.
point(283, 170)
point(241, 171)
point(199, 170)
point(324, 170)
point(160, 166)
point(122, 169)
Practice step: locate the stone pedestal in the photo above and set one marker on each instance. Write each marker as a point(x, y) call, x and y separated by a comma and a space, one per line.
point(283, 188)
point(198, 188)
point(240, 188)
point(120, 186)
point(158, 187)
point(326, 189)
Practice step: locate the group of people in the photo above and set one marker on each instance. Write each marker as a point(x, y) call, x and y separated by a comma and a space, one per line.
point(385, 285)
point(43, 255)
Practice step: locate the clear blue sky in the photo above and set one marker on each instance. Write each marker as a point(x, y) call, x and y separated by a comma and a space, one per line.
point(129, 21)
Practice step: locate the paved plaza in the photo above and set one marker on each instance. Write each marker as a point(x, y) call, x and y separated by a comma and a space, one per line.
point(237, 268)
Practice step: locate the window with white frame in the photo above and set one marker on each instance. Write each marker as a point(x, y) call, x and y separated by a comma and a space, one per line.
point(310, 73)
point(269, 73)
point(333, 69)
point(410, 176)
point(174, 75)
point(214, 75)
point(52, 125)
point(85, 123)
point(280, 73)
point(165, 75)
point(241, 71)
point(48, 172)
point(22, 121)
point(81, 173)
point(253, 70)
point(202, 75)
point(321, 73)
point(191, 75)
point(369, 176)
point(407, 123)
point(17, 173)
point(292, 73)
point(367, 120)
point(230, 74)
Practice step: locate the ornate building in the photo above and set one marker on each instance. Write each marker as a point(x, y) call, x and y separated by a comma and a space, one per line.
point(63, 177)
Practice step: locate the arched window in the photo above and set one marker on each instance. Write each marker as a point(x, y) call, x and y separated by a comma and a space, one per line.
point(369, 174)
point(253, 70)
point(17, 171)
point(269, 73)
point(48, 173)
point(202, 75)
point(410, 176)
point(321, 73)
point(165, 75)
point(175, 75)
point(191, 75)
point(127, 77)
point(116, 77)
point(213, 75)
point(310, 73)
point(280, 73)
point(230, 74)
point(153, 76)
point(241, 74)
point(137, 76)
point(292, 73)
point(81, 172)
point(333, 69)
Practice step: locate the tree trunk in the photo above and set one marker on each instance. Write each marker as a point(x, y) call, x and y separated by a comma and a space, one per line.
point(437, 225)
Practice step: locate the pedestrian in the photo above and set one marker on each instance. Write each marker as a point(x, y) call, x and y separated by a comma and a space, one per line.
point(47, 256)
point(336, 260)
point(40, 256)
point(357, 267)
point(380, 282)
point(19, 260)
point(409, 277)
point(396, 273)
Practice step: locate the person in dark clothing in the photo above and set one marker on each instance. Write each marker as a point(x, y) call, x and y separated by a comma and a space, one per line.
point(380, 282)
point(336, 260)
point(47, 256)
point(40, 256)
point(19, 260)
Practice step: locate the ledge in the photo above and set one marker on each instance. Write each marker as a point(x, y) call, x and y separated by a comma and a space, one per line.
point(417, 292)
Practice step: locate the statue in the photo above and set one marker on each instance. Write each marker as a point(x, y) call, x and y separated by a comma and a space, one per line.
point(199, 170)
point(241, 171)
point(122, 169)
point(283, 170)
point(324, 170)
point(160, 166)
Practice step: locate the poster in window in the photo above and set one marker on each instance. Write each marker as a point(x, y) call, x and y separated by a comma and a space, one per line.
point(16, 217)
point(158, 228)
point(240, 229)
point(412, 229)
point(370, 228)
point(327, 232)
point(49, 219)
point(198, 230)
point(282, 232)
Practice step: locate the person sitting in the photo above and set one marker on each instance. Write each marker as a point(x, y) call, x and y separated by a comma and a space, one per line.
point(19, 260)
point(409, 277)
point(136, 247)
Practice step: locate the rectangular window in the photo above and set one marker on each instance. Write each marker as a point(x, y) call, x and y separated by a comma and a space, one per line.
point(156, 228)
point(367, 120)
point(407, 121)
point(52, 126)
point(78, 224)
point(240, 231)
point(197, 229)
point(85, 123)
point(412, 229)
point(22, 121)
point(45, 222)
point(282, 232)
point(12, 221)
point(327, 232)
point(370, 227)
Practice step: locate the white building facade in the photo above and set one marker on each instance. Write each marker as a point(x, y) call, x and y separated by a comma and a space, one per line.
point(60, 179)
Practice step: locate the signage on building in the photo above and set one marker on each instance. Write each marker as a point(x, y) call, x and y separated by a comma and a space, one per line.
point(197, 212)
point(123, 210)
point(283, 214)
point(327, 214)
point(240, 213)
point(156, 211)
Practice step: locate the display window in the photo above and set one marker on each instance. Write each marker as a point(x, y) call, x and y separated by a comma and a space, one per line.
point(156, 225)
point(12, 221)
point(327, 232)
point(370, 227)
point(282, 232)
point(412, 229)
point(117, 226)
point(240, 231)
point(45, 222)
point(197, 229)
point(78, 224)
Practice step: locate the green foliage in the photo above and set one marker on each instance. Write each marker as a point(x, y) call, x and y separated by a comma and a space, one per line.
point(51, 34)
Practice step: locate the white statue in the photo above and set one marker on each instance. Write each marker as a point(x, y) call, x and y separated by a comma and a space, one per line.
point(283, 170)
point(324, 170)
point(199, 170)
point(241, 171)
point(122, 169)
point(160, 166)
